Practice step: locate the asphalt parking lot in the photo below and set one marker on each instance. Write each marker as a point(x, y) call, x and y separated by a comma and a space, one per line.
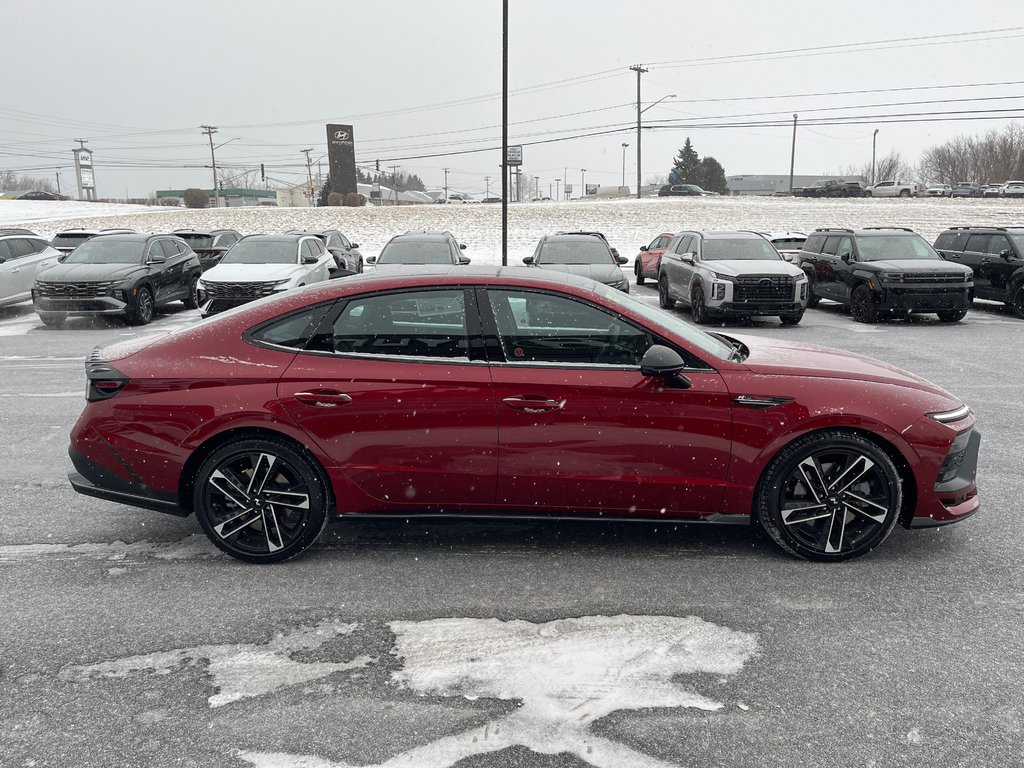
point(129, 640)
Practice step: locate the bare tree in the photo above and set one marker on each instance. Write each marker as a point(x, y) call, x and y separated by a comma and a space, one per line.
point(991, 157)
point(10, 181)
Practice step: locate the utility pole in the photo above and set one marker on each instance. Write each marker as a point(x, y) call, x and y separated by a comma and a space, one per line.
point(536, 186)
point(309, 174)
point(639, 71)
point(81, 143)
point(792, 157)
point(58, 182)
point(445, 184)
point(565, 175)
point(624, 145)
point(558, 189)
point(504, 133)
point(873, 138)
point(487, 181)
point(394, 181)
point(209, 130)
point(583, 185)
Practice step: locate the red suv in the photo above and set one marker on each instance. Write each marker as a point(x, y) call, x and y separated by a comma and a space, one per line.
point(648, 261)
point(510, 392)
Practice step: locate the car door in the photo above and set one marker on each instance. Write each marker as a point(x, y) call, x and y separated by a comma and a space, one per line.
point(401, 399)
point(998, 265)
point(173, 276)
point(581, 430)
point(826, 280)
point(10, 272)
point(975, 253)
point(675, 271)
point(22, 259)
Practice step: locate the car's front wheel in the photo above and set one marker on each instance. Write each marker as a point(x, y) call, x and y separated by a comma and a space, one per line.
point(863, 306)
point(194, 297)
point(952, 315)
point(260, 500)
point(53, 319)
point(141, 309)
point(1017, 301)
point(793, 318)
point(699, 307)
point(829, 496)
point(664, 299)
point(639, 270)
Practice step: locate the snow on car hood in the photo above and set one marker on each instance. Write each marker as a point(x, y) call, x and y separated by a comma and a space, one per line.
point(83, 273)
point(737, 267)
point(248, 273)
point(602, 273)
point(775, 357)
point(921, 265)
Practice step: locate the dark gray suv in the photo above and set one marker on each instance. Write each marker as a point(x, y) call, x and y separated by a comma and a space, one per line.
point(995, 255)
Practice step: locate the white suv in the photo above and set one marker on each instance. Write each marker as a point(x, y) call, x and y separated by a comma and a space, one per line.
point(21, 257)
point(738, 274)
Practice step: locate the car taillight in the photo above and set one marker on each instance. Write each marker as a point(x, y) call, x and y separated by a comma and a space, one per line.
point(102, 380)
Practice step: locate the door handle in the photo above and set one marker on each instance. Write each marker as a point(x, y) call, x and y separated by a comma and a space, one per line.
point(533, 404)
point(323, 398)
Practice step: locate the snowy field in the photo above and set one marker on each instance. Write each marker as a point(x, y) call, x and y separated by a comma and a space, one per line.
point(627, 223)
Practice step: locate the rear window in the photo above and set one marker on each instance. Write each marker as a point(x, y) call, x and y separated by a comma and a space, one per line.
point(197, 241)
point(813, 243)
point(947, 241)
point(70, 241)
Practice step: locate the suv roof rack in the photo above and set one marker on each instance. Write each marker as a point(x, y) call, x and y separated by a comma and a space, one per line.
point(901, 229)
point(982, 226)
point(833, 229)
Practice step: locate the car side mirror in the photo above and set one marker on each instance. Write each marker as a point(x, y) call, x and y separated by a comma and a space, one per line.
point(622, 260)
point(667, 364)
point(353, 245)
point(689, 258)
point(1006, 253)
point(845, 258)
point(527, 259)
point(336, 272)
point(464, 260)
point(156, 258)
point(371, 260)
point(643, 247)
point(787, 257)
point(307, 259)
point(462, 246)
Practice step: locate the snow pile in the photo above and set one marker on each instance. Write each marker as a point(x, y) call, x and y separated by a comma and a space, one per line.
point(26, 211)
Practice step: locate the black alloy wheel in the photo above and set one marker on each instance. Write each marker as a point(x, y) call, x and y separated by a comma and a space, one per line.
point(193, 299)
point(698, 307)
point(1017, 302)
point(812, 297)
point(666, 301)
point(639, 270)
point(260, 500)
point(829, 496)
point(141, 310)
point(952, 315)
point(793, 318)
point(863, 306)
point(53, 319)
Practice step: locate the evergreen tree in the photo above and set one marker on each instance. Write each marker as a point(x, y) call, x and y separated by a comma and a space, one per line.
point(713, 176)
point(687, 168)
point(325, 190)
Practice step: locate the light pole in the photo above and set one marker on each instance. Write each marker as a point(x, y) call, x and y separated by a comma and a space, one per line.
point(624, 164)
point(309, 174)
point(536, 186)
point(558, 189)
point(874, 137)
point(583, 183)
point(792, 156)
point(445, 184)
point(639, 71)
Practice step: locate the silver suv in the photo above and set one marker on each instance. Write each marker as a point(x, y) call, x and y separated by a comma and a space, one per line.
point(738, 274)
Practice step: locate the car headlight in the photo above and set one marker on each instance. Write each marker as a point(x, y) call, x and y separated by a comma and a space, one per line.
point(718, 291)
point(892, 277)
point(968, 277)
point(283, 285)
point(620, 284)
point(946, 417)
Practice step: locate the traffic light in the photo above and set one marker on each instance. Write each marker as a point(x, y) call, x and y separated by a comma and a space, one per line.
point(263, 173)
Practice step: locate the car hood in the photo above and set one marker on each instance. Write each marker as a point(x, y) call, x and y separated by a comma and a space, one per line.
point(920, 265)
point(737, 267)
point(85, 273)
point(247, 273)
point(775, 357)
point(602, 273)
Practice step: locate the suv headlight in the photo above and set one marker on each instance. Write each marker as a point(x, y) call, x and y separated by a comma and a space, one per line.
point(283, 285)
point(892, 277)
point(718, 291)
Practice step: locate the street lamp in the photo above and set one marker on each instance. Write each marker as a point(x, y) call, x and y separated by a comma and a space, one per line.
point(558, 189)
point(536, 186)
point(583, 183)
point(639, 71)
point(624, 164)
point(874, 137)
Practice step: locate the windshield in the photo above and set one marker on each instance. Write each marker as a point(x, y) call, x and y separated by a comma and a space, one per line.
point(197, 241)
point(262, 252)
point(586, 250)
point(742, 249)
point(70, 241)
point(102, 251)
point(416, 252)
point(894, 247)
point(789, 243)
point(671, 322)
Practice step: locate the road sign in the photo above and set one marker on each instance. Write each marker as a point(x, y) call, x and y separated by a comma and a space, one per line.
point(514, 155)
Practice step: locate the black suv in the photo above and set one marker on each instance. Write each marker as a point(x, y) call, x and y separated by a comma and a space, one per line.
point(884, 270)
point(209, 244)
point(995, 254)
point(118, 274)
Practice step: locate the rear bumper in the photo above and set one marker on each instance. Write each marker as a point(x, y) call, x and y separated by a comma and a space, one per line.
point(91, 479)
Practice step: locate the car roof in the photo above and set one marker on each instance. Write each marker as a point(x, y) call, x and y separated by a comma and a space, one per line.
point(724, 234)
point(425, 236)
point(282, 238)
point(202, 231)
point(573, 237)
point(780, 235)
point(316, 232)
point(131, 237)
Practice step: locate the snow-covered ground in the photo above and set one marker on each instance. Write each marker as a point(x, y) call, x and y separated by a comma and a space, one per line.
point(627, 223)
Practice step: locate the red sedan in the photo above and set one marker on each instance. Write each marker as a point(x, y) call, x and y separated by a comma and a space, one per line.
point(649, 259)
point(510, 392)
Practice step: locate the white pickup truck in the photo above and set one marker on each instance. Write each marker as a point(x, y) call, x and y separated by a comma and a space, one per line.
point(894, 188)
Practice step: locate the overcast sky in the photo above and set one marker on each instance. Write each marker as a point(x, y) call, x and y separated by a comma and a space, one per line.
point(137, 78)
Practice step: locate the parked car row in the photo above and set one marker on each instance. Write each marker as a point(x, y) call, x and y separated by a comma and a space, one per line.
point(876, 271)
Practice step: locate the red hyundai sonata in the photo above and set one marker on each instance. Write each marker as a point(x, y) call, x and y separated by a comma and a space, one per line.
point(510, 392)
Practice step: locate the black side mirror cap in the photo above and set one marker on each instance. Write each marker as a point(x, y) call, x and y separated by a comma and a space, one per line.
point(666, 363)
point(462, 246)
point(353, 245)
point(337, 272)
point(1006, 253)
point(643, 247)
point(371, 260)
point(527, 259)
point(622, 260)
point(464, 260)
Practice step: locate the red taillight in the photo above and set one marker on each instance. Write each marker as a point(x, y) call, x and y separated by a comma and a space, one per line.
point(103, 381)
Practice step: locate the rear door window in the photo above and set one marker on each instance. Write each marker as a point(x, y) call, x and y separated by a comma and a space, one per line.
point(429, 324)
point(978, 243)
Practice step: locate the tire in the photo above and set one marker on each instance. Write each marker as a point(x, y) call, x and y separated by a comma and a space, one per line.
point(245, 519)
point(862, 305)
point(640, 279)
point(193, 299)
point(841, 519)
point(867, 193)
point(812, 297)
point(792, 319)
point(664, 300)
point(53, 319)
point(698, 307)
point(904, 193)
point(952, 315)
point(1017, 301)
point(141, 310)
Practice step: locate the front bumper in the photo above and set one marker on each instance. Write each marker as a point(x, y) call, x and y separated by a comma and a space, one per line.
point(97, 305)
point(920, 298)
point(955, 493)
point(748, 308)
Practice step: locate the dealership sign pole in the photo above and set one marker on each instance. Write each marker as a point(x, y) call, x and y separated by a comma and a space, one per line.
point(84, 172)
point(504, 133)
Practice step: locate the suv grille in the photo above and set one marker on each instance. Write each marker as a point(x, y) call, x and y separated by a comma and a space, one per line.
point(73, 290)
point(761, 287)
point(933, 277)
point(238, 290)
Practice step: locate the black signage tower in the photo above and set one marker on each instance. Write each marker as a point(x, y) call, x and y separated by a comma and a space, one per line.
point(341, 155)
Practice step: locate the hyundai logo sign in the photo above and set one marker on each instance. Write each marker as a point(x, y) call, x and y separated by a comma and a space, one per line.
point(341, 135)
point(766, 281)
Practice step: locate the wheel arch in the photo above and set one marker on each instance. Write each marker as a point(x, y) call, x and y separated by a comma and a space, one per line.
point(186, 481)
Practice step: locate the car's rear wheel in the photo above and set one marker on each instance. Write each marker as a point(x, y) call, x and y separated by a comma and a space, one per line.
point(639, 270)
point(952, 315)
point(666, 301)
point(699, 307)
point(829, 496)
point(863, 306)
point(53, 319)
point(904, 193)
point(141, 310)
point(793, 318)
point(260, 500)
point(1017, 301)
point(193, 299)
